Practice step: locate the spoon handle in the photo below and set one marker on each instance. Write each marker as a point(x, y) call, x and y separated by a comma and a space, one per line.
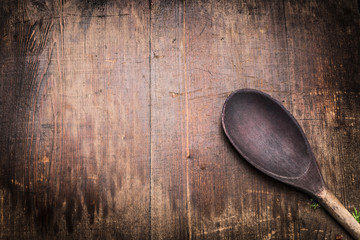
point(339, 212)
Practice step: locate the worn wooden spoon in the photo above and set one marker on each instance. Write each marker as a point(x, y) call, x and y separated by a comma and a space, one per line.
point(270, 138)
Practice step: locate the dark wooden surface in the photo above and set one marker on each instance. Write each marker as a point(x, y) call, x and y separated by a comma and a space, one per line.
point(110, 116)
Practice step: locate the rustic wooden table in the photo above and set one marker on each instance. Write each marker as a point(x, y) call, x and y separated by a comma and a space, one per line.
point(110, 116)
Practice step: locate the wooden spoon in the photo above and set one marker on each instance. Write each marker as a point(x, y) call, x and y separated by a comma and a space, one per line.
point(270, 138)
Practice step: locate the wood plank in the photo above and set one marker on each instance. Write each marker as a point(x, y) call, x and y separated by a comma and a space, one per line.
point(169, 185)
point(231, 45)
point(324, 58)
point(75, 120)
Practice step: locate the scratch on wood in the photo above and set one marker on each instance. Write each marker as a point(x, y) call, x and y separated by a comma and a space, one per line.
point(158, 56)
point(45, 159)
point(188, 203)
point(259, 192)
point(175, 94)
point(199, 233)
point(178, 94)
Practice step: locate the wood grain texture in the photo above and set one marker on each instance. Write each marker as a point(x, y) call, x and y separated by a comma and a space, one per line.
point(75, 120)
point(169, 188)
point(110, 116)
point(323, 51)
